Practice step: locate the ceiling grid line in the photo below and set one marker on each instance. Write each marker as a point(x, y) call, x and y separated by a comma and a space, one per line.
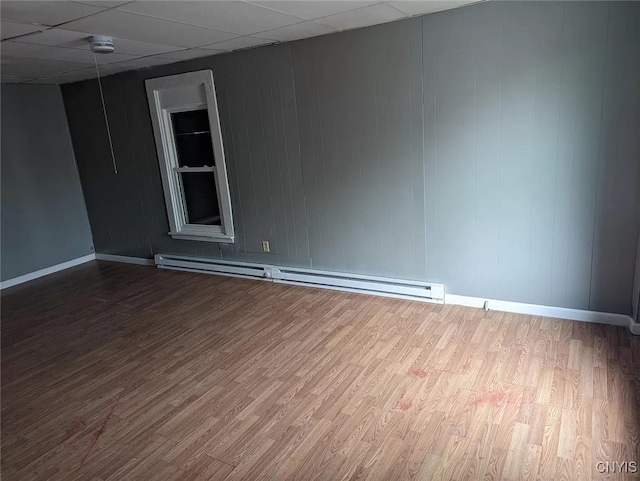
point(45, 42)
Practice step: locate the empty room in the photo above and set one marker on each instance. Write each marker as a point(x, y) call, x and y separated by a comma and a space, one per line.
point(320, 240)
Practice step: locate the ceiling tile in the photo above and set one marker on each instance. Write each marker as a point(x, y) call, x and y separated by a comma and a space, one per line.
point(150, 33)
point(138, 47)
point(12, 29)
point(45, 13)
point(236, 17)
point(74, 76)
point(312, 9)
point(108, 70)
point(371, 15)
point(14, 79)
point(149, 29)
point(141, 62)
point(112, 68)
point(57, 37)
point(412, 7)
point(104, 3)
point(46, 81)
point(297, 31)
point(19, 49)
point(70, 39)
point(189, 54)
point(155, 60)
point(238, 43)
point(105, 70)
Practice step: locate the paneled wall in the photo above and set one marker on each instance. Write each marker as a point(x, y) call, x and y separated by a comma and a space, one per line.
point(44, 220)
point(360, 120)
point(493, 148)
point(531, 162)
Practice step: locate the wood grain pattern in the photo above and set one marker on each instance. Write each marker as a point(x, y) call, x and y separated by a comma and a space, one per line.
point(114, 372)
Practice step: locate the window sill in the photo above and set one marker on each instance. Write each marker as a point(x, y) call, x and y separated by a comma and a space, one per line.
point(202, 237)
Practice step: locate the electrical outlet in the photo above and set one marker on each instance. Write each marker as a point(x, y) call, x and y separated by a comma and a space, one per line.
point(265, 246)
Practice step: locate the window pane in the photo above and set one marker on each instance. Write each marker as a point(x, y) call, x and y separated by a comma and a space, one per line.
point(193, 138)
point(194, 150)
point(200, 197)
point(190, 121)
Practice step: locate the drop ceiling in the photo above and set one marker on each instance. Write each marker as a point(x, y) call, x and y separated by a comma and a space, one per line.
point(46, 42)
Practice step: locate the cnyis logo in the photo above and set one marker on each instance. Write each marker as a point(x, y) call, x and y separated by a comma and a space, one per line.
point(617, 467)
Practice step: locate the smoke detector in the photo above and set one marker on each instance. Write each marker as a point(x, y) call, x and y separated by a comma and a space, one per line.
point(101, 44)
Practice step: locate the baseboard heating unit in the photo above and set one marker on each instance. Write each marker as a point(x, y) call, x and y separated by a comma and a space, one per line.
point(381, 286)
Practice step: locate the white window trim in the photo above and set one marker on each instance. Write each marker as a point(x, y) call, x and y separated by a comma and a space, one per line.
point(168, 159)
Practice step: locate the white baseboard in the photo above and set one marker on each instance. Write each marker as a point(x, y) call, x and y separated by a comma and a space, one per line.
point(546, 311)
point(359, 291)
point(125, 259)
point(478, 302)
point(339, 281)
point(46, 271)
point(367, 285)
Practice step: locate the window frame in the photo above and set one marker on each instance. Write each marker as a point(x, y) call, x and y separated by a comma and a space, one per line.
point(161, 108)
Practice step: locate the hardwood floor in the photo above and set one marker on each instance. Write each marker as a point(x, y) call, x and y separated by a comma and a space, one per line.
point(114, 372)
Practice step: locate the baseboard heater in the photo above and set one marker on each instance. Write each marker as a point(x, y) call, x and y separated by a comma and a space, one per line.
point(381, 286)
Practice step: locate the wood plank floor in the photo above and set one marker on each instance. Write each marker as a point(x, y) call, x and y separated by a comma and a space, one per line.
point(115, 372)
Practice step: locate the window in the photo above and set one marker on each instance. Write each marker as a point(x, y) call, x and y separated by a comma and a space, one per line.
point(186, 126)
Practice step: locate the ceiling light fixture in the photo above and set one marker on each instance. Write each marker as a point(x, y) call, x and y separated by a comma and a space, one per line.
point(103, 44)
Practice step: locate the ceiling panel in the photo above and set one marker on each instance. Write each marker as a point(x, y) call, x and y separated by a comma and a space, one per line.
point(189, 54)
point(310, 10)
point(12, 29)
point(411, 7)
point(104, 3)
point(361, 17)
point(18, 49)
point(148, 29)
point(148, 33)
point(297, 31)
point(45, 13)
point(109, 69)
point(236, 17)
point(15, 79)
point(134, 63)
point(239, 43)
point(74, 76)
point(58, 37)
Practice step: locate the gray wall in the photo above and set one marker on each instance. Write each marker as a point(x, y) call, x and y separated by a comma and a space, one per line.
point(636, 288)
point(493, 148)
point(44, 220)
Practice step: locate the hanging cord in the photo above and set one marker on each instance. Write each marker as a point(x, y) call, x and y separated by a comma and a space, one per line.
point(106, 119)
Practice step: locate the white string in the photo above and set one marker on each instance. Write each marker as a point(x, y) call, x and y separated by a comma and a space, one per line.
point(106, 119)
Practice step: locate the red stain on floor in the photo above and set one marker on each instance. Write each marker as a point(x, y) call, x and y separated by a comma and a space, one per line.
point(418, 373)
point(100, 430)
point(403, 405)
point(496, 398)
